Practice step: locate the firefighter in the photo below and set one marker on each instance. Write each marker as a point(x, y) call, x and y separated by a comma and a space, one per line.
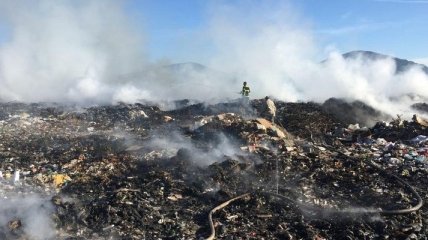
point(245, 92)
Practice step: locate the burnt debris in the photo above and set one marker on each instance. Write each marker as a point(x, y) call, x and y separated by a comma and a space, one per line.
point(135, 171)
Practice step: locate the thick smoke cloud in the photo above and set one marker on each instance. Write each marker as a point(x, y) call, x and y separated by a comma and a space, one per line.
point(171, 144)
point(86, 52)
point(33, 211)
point(92, 52)
point(68, 51)
point(278, 55)
point(262, 45)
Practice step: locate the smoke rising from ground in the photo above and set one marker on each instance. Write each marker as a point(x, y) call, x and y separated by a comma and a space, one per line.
point(91, 52)
point(85, 52)
point(68, 51)
point(276, 54)
point(200, 157)
point(34, 213)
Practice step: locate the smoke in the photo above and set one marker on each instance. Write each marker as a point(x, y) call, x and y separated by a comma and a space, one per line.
point(372, 81)
point(92, 52)
point(214, 151)
point(86, 52)
point(423, 61)
point(346, 214)
point(68, 51)
point(34, 213)
point(276, 53)
point(262, 45)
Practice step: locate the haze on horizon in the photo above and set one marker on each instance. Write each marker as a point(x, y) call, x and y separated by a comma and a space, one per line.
point(108, 51)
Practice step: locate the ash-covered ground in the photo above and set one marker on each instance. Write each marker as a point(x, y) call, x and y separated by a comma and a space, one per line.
point(133, 171)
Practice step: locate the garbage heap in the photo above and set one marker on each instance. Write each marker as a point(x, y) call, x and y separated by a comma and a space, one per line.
point(133, 171)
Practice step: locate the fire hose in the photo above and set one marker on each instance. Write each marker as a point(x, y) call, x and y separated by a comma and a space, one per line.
point(311, 207)
point(210, 215)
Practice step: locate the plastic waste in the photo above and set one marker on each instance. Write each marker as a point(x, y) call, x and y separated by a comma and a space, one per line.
point(16, 176)
point(419, 139)
point(423, 152)
point(381, 141)
point(421, 158)
point(353, 127)
point(395, 161)
point(408, 156)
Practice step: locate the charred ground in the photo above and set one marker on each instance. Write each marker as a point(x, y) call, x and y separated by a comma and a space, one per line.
point(133, 171)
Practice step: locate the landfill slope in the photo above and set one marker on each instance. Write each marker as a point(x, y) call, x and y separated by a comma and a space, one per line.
point(134, 171)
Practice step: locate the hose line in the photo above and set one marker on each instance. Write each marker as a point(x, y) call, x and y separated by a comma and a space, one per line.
point(308, 207)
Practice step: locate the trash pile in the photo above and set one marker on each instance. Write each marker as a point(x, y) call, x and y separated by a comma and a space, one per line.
point(134, 171)
point(353, 112)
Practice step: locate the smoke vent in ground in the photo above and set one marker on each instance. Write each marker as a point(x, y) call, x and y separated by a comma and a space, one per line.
point(348, 111)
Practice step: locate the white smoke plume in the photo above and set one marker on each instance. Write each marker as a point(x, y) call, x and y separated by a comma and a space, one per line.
point(270, 47)
point(34, 213)
point(92, 52)
point(423, 61)
point(85, 52)
point(224, 146)
point(68, 51)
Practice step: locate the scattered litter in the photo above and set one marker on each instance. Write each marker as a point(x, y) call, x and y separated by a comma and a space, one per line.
point(306, 173)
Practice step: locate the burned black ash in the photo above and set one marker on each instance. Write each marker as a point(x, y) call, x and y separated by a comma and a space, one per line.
point(133, 171)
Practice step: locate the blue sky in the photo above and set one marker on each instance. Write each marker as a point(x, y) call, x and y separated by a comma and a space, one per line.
point(396, 27)
point(393, 27)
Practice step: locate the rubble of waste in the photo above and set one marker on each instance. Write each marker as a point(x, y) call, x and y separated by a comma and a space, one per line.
point(353, 111)
point(135, 171)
